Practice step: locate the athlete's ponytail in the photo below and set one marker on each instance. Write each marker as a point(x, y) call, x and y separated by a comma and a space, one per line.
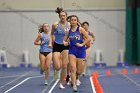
point(59, 10)
point(40, 30)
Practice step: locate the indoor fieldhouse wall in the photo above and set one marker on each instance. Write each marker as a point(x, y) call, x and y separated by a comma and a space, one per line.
point(19, 22)
point(19, 30)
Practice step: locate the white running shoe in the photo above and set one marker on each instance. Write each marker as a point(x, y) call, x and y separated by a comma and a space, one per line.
point(83, 74)
point(61, 86)
point(67, 83)
point(46, 82)
point(78, 82)
point(74, 88)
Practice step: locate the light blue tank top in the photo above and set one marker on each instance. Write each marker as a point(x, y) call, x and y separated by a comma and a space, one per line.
point(45, 46)
point(60, 33)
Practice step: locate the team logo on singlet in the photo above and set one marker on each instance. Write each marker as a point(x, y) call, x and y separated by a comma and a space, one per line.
point(77, 37)
point(62, 31)
point(46, 39)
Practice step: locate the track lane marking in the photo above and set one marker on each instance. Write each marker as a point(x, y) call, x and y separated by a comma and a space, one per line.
point(15, 79)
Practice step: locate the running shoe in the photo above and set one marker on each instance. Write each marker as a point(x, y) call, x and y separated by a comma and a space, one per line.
point(78, 82)
point(74, 88)
point(67, 80)
point(83, 74)
point(46, 82)
point(61, 86)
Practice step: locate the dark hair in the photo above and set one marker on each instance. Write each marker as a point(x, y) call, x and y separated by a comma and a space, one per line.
point(68, 18)
point(79, 23)
point(85, 23)
point(59, 10)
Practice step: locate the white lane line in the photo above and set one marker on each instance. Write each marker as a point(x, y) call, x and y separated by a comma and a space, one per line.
point(9, 76)
point(44, 90)
point(53, 86)
point(133, 81)
point(22, 82)
point(93, 87)
point(17, 85)
point(36, 76)
point(113, 75)
point(91, 81)
point(15, 79)
point(130, 79)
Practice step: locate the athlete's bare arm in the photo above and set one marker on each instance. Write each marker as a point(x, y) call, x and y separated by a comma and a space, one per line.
point(93, 36)
point(54, 27)
point(36, 42)
point(65, 40)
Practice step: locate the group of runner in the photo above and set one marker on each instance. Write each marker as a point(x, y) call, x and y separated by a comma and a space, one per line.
point(67, 46)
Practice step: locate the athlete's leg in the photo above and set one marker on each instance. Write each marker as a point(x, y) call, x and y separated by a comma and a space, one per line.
point(79, 66)
point(56, 64)
point(47, 66)
point(68, 74)
point(64, 65)
point(42, 61)
point(56, 60)
point(43, 65)
point(85, 62)
point(72, 60)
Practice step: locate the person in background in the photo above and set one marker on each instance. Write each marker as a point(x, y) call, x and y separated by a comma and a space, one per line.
point(85, 25)
point(45, 52)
